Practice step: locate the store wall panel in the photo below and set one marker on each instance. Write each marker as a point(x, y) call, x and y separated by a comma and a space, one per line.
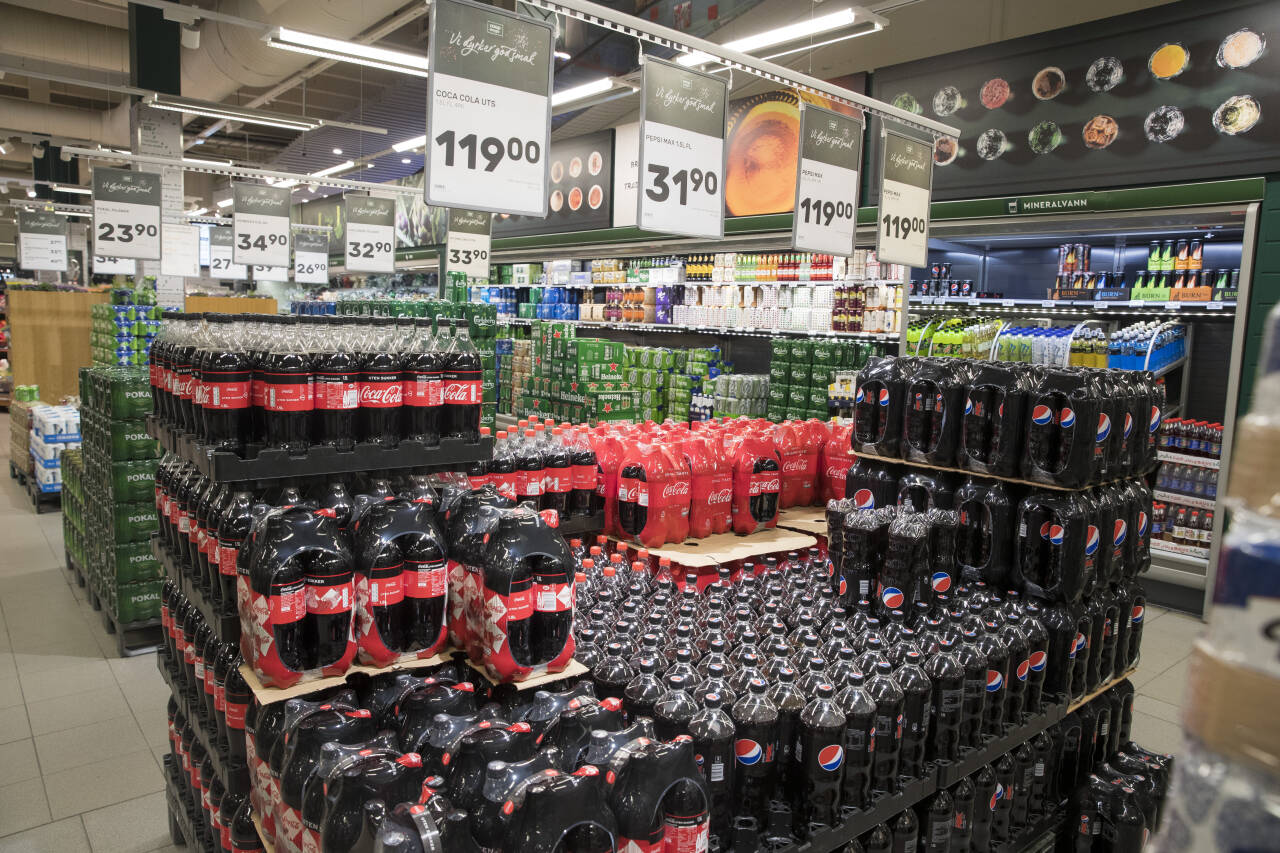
point(1265, 289)
point(50, 339)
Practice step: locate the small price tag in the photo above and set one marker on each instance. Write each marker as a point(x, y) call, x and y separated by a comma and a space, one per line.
point(1213, 306)
point(1047, 303)
point(973, 301)
point(1007, 303)
point(826, 205)
point(264, 273)
point(221, 264)
point(906, 182)
point(467, 243)
point(42, 240)
point(261, 225)
point(180, 250)
point(106, 265)
point(126, 213)
point(310, 257)
point(371, 234)
point(1173, 306)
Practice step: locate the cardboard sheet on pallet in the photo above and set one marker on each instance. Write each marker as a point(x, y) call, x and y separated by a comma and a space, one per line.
point(730, 547)
point(806, 519)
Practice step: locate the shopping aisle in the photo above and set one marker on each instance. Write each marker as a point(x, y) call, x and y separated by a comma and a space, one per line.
point(82, 731)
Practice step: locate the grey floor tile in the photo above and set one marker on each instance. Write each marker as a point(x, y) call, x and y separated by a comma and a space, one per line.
point(18, 758)
point(22, 806)
point(10, 693)
point(63, 836)
point(1156, 734)
point(88, 744)
point(8, 666)
point(102, 783)
point(67, 681)
point(1157, 708)
point(135, 826)
point(13, 724)
point(81, 709)
point(1169, 686)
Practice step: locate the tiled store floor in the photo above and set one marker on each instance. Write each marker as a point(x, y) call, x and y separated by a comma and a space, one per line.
point(82, 731)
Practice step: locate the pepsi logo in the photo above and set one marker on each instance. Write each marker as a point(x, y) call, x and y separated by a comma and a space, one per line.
point(1067, 418)
point(1056, 533)
point(1078, 644)
point(996, 796)
point(1038, 659)
point(1023, 668)
point(748, 751)
point(892, 597)
point(941, 581)
point(1154, 423)
point(844, 587)
point(859, 396)
point(1128, 424)
point(831, 757)
point(884, 396)
point(863, 499)
point(968, 406)
point(1091, 539)
point(1138, 612)
point(1142, 524)
point(1043, 415)
point(1044, 530)
point(1104, 427)
point(1121, 530)
point(995, 680)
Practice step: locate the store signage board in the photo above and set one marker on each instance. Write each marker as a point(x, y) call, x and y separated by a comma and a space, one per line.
point(311, 257)
point(261, 225)
point(265, 273)
point(221, 264)
point(107, 265)
point(180, 250)
point(371, 234)
point(826, 209)
point(489, 109)
point(906, 175)
point(626, 173)
point(682, 126)
point(42, 240)
point(467, 246)
point(126, 213)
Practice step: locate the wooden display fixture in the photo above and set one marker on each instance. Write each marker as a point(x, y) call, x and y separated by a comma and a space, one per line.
point(730, 547)
point(233, 304)
point(1089, 697)
point(966, 472)
point(49, 340)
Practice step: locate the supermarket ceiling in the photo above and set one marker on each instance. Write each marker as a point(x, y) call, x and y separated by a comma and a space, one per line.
point(63, 63)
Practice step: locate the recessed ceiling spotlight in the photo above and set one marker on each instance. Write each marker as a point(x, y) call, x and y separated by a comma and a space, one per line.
point(337, 151)
point(405, 160)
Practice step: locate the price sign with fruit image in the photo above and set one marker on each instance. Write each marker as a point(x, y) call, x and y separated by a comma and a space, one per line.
point(371, 234)
point(489, 109)
point(126, 213)
point(467, 245)
point(682, 122)
point(310, 258)
point(261, 225)
point(826, 210)
point(220, 263)
point(906, 182)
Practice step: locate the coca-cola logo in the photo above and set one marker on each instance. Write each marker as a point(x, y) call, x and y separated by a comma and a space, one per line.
point(721, 496)
point(458, 394)
point(388, 395)
point(676, 488)
point(200, 394)
point(837, 472)
point(792, 466)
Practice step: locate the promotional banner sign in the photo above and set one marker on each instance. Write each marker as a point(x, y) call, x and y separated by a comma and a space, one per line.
point(467, 246)
point(488, 109)
point(107, 265)
point(906, 178)
point(126, 213)
point(221, 264)
point(180, 250)
point(42, 240)
point(311, 257)
point(682, 115)
point(371, 234)
point(261, 225)
point(826, 211)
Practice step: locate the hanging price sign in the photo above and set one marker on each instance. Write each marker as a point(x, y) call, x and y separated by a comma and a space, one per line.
point(107, 265)
point(180, 250)
point(126, 213)
point(682, 115)
point(826, 212)
point(311, 257)
point(371, 234)
point(42, 240)
point(260, 225)
point(467, 243)
point(263, 273)
point(221, 264)
point(489, 109)
point(906, 181)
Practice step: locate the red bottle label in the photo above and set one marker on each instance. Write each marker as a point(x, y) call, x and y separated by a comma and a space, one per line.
point(506, 484)
point(386, 591)
point(228, 554)
point(763, 483)
point(337, 391)
point(424, 389)
point(236, 713)
point(225, 389)
point(584, 476)
point(463, 389)
point(519, 605)
point(425, 579)
point(687, 834)
point(288, 392)
point(327, 599)
point(478, 482)
point(287, 606)
point(380, 390)
point(553, 597)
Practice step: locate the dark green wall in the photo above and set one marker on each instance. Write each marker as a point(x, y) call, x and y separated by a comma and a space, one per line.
point(1264, 290)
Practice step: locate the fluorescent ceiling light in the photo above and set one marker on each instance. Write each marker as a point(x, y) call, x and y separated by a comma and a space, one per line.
point(229, 113)
point(226, 202)
point(416, 142)
point(779, 35)
point(68, 188)
point(333, 170)
point(347, 51)
point(337, 151)
point(199, 211)
point(586, 90)
point(406, 160)
point(562, 54)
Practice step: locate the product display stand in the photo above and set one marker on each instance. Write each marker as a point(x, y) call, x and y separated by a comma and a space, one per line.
point(730, 547)
point(806, 519)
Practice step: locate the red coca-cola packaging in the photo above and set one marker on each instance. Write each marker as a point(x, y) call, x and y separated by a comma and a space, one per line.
point(799, 444)
point(401, 582)
point(518, 591)
point(297, 601)
point(836, 458)
point(608, 450)
point(757, 480)
point(653, 494)
point(471, 518)
point(711, 485)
